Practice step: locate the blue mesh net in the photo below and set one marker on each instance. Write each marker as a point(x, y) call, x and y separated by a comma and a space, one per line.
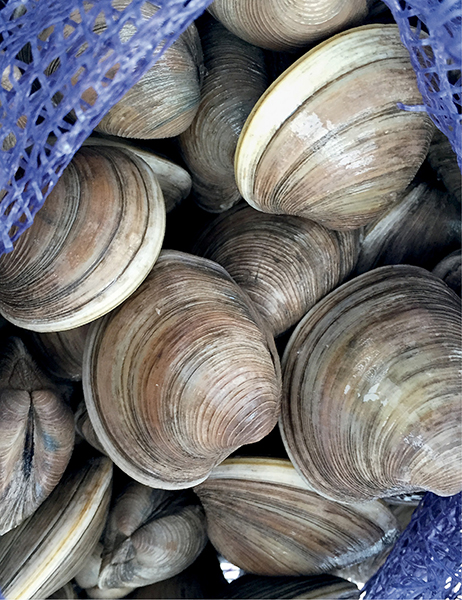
point(95, 70)
point(426, 561)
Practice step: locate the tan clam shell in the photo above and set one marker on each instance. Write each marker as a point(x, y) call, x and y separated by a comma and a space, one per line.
point(150, 535)
point(371, 403)
point(36, 435)
point(317, 587)
point(164, 101)
point(450, 270)
point(175, 182)
point(234, 81)
point(181, 375)
point(418, 230)
point(326, 141)
point(47, 550)
point(262, 517)
point(285, 264)
point(90, 246)
point(287, 24)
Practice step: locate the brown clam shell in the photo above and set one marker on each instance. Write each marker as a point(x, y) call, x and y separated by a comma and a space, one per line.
point(285, 264)
point(371, 403)
point(181, 375)
point(90, 246)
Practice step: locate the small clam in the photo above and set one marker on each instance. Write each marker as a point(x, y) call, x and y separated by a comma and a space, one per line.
point(327, 141)
point(36, 435)
point(444, 161)
point(90, 246)
point(49, 548)
point(285, 264)
point(450, 270)
point(418, 230)
point(317, 587)
point(234, 81)
point(282, 25)
point(175, 182)
point(150, 535)
point(164, 101)
point(180, 376)
point(371, 403)
point(262, 517)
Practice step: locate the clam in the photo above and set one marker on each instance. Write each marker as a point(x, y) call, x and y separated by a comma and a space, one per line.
point(326, 141)
point(234, 81)
point(175, 182)
point(61, 352)
point(317, 587)
point(85, 429)
point(371, 402)
point(181, 375)
point(67, 592)
point(280, 25)
point(150, 535)
point(262, 517)
point(420, 229)
point(90, 246)
point(36, 435)
point(164, 101)
point(48, 549)
point(450, 271)
point(285, 264)
point(444, 161)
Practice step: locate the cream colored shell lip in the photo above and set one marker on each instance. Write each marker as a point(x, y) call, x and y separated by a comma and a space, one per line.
point(306, 76)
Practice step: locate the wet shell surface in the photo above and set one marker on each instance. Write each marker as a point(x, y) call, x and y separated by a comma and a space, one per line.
point(371, 402)
point(262, 517)
point(234, 81)
point(326, 141)
point(164, 101)
point(150, 535)
point(450, 270)
point(287, 25)
point(36, 435)
point(443, 160)
point(49, 548)
point(90, 246)
point(285, 264)
point(420, 229)
point(183, 374)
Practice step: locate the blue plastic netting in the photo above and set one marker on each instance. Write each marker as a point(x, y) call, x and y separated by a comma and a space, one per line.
point(35, 100)
point(426, 561)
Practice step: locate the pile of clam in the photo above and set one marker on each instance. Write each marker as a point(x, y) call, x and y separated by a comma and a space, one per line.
point(146, 342)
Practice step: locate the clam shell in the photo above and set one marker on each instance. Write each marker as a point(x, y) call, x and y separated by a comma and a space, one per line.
point(175, 182)
point(371, 403)
point(181, 375)
point(150, 535)
point(164, 101)
point(36, 435)
point(418, 230)
point(281, 25)
point(265, 519)
point(450, 270)
point(326, 141)
point(47, 550)
point(444, 161)
point(285, 264)
point(234, 81)
point(316, 587)
point(90, 246)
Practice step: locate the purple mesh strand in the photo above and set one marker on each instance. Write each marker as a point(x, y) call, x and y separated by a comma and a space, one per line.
point(30, 169)
point(426, 561)
point(431, 30)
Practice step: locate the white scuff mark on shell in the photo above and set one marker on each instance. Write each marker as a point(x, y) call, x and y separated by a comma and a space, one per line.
point(158, 311)
point(372, 395)
point(309, 127)
point(347, 389)
point(357, 160)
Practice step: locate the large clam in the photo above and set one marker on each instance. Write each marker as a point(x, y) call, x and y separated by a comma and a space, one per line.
point(327, 141)
point(285, 264)
point(371, 404)
point(90, 246)
point(181, 375)
point(265, 519)
point(282, 25)
point(234, 81)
